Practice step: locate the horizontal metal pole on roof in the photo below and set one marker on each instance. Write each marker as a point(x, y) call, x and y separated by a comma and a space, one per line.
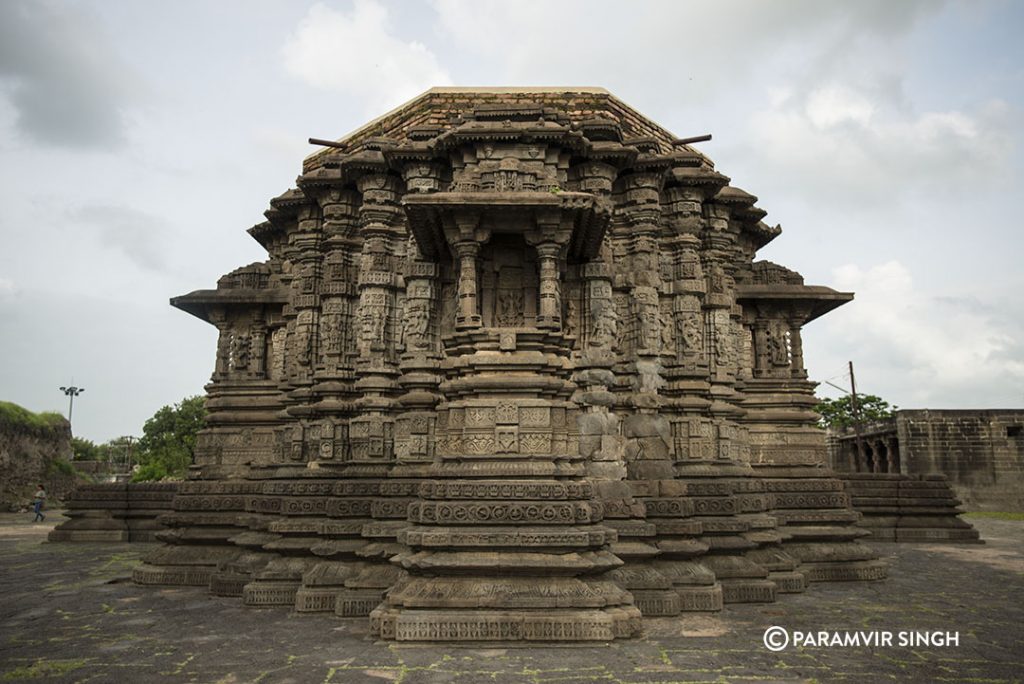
point(327, 143)
point(694, 139)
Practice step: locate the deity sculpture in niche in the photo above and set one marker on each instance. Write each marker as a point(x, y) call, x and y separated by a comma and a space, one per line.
point(415, 324)
point(690, 334)
point(277, 352)
point(605, 326)
point(667, 331)
point(572, 312)
point(372, 319)
point(509, 282)
point(303, 346)
point(778, 345)
point(332, 335)
point(650, 333)
point(723, 342)
point(240, 348)
point(509, 308)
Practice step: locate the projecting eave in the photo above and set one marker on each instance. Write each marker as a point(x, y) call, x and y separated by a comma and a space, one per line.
point(199, 302)
point(817, 300)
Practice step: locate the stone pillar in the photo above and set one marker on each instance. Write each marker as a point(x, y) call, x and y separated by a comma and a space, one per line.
point(862, 463)
point(550, 314)
point(468, 315)
point(894, 454)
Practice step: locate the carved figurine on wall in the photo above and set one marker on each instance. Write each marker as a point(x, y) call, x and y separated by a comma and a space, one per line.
point(650, 320)
point(510, 308)
point(240, 345)
point(304, 346)
point(414, 325)
point(332, 335)
point(667, 330)
point(606, 326)
point(572, 317)
point(371, 327)
point(778, 345)
point(723, 345)
point(692, 339)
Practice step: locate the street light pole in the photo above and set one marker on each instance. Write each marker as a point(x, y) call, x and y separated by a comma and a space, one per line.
point(71, 393)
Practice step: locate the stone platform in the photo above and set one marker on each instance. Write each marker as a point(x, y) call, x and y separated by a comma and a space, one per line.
point(71, 614)
point(908, 508)
point(116, 511)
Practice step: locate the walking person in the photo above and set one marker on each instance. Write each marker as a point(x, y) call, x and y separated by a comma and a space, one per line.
point(39, 498)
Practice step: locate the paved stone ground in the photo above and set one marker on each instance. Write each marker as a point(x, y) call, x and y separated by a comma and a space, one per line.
point(69, 614)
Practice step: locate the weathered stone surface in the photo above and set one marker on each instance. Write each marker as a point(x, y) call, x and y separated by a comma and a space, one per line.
point(116, 512)
point(894, 509)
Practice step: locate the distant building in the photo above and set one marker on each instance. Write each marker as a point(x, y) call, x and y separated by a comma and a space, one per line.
point(980, 451)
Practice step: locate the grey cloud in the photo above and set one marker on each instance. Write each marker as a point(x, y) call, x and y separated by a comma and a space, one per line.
point(138, 235)
point(66, 83)
point(677, 54)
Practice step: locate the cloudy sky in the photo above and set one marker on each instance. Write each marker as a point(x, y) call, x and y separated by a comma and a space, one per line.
point(138, 141)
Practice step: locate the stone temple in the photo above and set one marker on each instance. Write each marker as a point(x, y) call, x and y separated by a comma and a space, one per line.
point(510, 372)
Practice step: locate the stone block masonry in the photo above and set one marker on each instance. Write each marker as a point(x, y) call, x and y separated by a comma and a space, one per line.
point(980, 452)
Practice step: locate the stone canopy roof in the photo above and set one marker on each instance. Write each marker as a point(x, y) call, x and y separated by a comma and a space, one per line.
point(437, 109)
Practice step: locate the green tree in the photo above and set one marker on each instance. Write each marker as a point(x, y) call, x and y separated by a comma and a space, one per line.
point(838, 413)
point(168, 440)
point(86, 450)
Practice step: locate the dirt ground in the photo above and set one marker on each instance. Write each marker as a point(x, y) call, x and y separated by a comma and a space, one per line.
point(70, 614)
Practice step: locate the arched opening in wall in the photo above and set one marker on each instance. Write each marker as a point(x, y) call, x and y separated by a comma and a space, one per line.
point(882, 457)
point(869, 459)
point(509, 282)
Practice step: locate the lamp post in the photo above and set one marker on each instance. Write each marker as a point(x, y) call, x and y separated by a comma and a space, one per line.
point(71, 393)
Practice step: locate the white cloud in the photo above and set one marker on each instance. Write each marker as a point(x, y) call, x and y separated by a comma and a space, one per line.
point(356, 53)
point(7, 288)
point(918, 349)
point(854, 144)
point(834, 105)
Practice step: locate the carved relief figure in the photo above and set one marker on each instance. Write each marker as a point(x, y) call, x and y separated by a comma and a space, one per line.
point(304, 346)
point(507, 178)
point(414, 325)
point(277, 342)
point(240, 347)
point(716, 279)
point(692, 339)
point(778, 345)
point(223, 351)
point(332, 335)
point(723, 344)
point(649, 318)
point(606, 326)
point(667, 330)
point(371, 317)
point(509, 306)
point(572, 317)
